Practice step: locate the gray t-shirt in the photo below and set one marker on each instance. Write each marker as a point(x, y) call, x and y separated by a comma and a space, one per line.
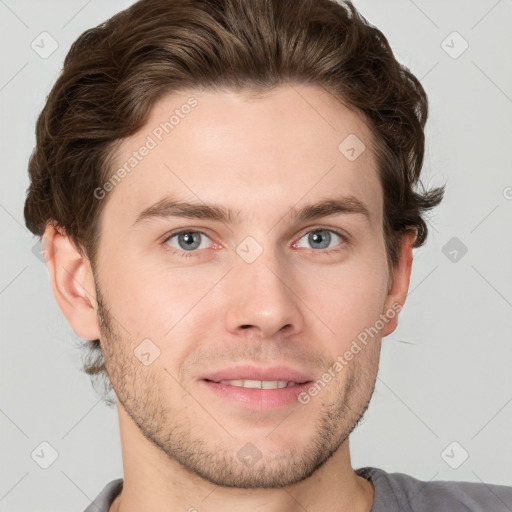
point(396, 492)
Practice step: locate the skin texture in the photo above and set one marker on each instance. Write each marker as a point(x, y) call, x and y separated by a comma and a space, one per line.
point(295, 304)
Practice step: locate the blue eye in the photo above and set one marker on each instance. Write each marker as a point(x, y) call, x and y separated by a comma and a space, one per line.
point(322, 238)
point(187, 242)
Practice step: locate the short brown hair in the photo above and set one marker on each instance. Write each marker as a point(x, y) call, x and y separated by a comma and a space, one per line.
point(114, 73)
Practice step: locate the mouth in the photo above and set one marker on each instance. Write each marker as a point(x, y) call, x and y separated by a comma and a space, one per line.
point(259, 384)
point(253, 387)
point(250, 376)
point(250, 394)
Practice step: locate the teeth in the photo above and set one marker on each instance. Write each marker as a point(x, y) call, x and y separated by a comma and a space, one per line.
point(259, 384)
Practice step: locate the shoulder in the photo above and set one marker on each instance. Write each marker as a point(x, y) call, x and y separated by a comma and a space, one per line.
point(404, 492)
point(105, 498)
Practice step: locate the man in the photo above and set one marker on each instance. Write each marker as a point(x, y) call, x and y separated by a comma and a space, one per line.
point(226, 194)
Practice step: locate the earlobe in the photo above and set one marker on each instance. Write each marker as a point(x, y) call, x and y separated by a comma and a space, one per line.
point(399, 287)
point(72, 282)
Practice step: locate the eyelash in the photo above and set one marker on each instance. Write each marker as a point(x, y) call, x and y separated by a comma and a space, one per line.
point(190, 254)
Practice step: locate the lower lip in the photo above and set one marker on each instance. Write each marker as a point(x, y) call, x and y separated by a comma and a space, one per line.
point(258, 398)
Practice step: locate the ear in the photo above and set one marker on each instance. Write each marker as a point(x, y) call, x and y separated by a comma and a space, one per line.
point(72, 281)
point(399, 278)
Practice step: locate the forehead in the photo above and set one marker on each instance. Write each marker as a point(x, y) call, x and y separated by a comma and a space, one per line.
point(260, 156)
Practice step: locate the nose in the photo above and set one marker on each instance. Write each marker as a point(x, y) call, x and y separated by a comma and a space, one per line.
point(262, 296)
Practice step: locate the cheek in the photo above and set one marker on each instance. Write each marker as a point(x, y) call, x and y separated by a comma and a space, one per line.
point(156, 303)
point(137, 297)
point(348, 299)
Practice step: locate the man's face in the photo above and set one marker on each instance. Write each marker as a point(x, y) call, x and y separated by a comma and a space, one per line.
point(263, 289)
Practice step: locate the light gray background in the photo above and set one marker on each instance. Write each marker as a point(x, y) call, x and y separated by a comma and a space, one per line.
point(446, 373)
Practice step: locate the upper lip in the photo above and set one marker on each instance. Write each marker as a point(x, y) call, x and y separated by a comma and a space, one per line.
point(247, 372)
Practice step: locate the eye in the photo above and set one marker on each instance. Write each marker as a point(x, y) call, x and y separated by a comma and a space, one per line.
point(322, 238)
point(187, 241)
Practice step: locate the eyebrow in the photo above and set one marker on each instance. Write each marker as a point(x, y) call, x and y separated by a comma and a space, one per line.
point(169, 207)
